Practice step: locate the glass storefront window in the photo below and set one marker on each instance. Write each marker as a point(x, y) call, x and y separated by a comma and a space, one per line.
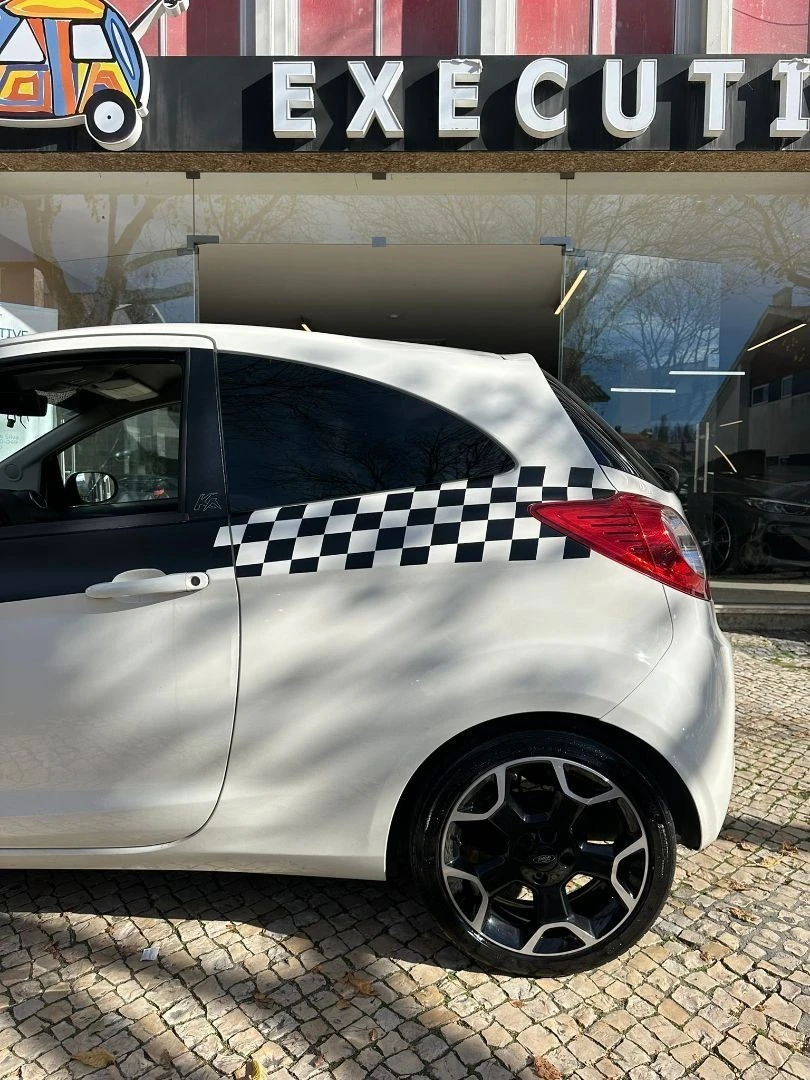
point(408, 256)
point(689, 335)
point(88, 249)
point(688, 327)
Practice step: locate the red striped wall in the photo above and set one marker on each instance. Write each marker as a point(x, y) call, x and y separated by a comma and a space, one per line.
point(764, 26)
point(553, 27)
point(414, 27)
point(130, 9)
point(336, 27)
point(644, 27)
point(420, 27)
point(214, 28)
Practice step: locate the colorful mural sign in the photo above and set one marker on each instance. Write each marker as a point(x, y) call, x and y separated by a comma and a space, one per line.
point(66, 62)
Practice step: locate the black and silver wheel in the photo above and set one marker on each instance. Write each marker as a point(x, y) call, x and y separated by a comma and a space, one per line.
point(543, 854)
point(112, 120)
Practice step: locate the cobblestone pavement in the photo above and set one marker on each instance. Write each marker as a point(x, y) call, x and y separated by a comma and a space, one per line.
point(281, 977)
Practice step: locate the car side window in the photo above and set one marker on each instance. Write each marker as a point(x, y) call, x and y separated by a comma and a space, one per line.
point(295, 433)
point(89, 437)
point(140, 455)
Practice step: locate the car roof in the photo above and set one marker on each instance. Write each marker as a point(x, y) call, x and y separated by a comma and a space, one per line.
point(500, 395)
point(291, 344)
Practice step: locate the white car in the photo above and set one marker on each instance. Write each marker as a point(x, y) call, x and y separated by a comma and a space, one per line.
point(394, 600)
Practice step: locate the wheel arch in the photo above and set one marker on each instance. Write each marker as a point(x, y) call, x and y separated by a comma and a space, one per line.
point(640, 754)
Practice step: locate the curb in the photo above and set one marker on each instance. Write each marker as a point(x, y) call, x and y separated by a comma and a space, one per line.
point(764, 617)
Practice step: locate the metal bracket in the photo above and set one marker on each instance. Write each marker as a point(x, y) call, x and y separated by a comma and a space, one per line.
point(564, 242)
point(195, 241)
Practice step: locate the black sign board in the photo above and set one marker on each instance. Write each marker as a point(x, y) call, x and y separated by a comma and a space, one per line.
point(492, 103)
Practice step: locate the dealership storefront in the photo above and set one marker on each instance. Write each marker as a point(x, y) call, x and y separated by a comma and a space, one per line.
point(641, 226)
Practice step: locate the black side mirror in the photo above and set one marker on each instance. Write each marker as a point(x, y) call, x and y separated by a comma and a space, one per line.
point(90, 488)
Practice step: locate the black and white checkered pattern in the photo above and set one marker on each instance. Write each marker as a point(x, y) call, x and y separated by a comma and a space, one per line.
point(468, 521)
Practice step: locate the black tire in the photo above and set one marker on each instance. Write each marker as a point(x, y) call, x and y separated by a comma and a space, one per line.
point(725, 555)
point(543, 851)
point(112, 119)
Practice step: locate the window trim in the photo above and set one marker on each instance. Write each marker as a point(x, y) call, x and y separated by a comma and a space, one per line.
point(96, 523)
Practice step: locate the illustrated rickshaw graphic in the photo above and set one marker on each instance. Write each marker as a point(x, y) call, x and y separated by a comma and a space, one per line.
point(66, 62)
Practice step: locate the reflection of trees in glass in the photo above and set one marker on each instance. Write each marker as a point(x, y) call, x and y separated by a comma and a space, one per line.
point(646, 315)
point(766, 235)
point(455, 219)
point(661, 266)
point(137, 266)
point(255, 218)
point(296, 433)
point(143, 266)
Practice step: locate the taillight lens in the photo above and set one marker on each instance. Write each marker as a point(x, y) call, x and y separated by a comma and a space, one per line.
point(635, 531)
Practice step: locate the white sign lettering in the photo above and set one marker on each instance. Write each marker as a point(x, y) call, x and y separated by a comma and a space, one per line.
point(791, 123)
point(458, 89)
point(613, 117)
point(533, 122)
point(376, 103)
point(292, 90)
point(716, 75)
point(459, 98)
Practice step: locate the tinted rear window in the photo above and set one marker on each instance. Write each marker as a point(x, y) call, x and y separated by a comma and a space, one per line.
point(295, 433)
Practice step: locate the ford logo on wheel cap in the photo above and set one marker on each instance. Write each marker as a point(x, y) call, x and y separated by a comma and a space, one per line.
point(547, 858)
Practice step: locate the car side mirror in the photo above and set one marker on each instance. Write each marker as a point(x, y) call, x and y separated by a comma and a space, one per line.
point(90, 488)
point(669, 475)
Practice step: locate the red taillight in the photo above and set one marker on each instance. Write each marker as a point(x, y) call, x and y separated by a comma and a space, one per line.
point(635, 531)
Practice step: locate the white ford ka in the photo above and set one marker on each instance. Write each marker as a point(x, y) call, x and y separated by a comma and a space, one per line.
point(282, 602)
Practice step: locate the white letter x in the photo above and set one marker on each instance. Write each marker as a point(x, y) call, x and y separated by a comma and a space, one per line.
point(375, 103)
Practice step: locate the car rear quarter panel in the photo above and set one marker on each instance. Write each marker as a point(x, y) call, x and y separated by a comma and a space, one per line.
point(685, 709)
point(351, 680)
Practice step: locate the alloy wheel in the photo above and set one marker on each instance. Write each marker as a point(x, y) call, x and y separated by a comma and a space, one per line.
point(544, 856)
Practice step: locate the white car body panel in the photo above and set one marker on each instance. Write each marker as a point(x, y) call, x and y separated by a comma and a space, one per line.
point(623, 481)
point(350, 680)
point(117, 718)
point(119, 731)
point(685, 709)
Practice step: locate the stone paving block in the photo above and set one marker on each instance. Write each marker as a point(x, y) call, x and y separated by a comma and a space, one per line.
point(473, 1050)
point(798, 1065)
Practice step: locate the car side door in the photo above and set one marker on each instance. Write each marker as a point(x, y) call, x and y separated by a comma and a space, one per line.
point(119, 627)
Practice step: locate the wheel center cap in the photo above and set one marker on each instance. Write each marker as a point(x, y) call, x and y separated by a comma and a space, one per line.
point(544, 859)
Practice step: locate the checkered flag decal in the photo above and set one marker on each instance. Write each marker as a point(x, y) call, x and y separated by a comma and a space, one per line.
point(468, 521)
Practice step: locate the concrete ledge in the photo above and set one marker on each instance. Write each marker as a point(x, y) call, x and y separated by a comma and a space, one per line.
point(764, 617)
point(406, 161)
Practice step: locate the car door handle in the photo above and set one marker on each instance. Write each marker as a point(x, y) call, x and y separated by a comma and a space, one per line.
point(134, 584)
